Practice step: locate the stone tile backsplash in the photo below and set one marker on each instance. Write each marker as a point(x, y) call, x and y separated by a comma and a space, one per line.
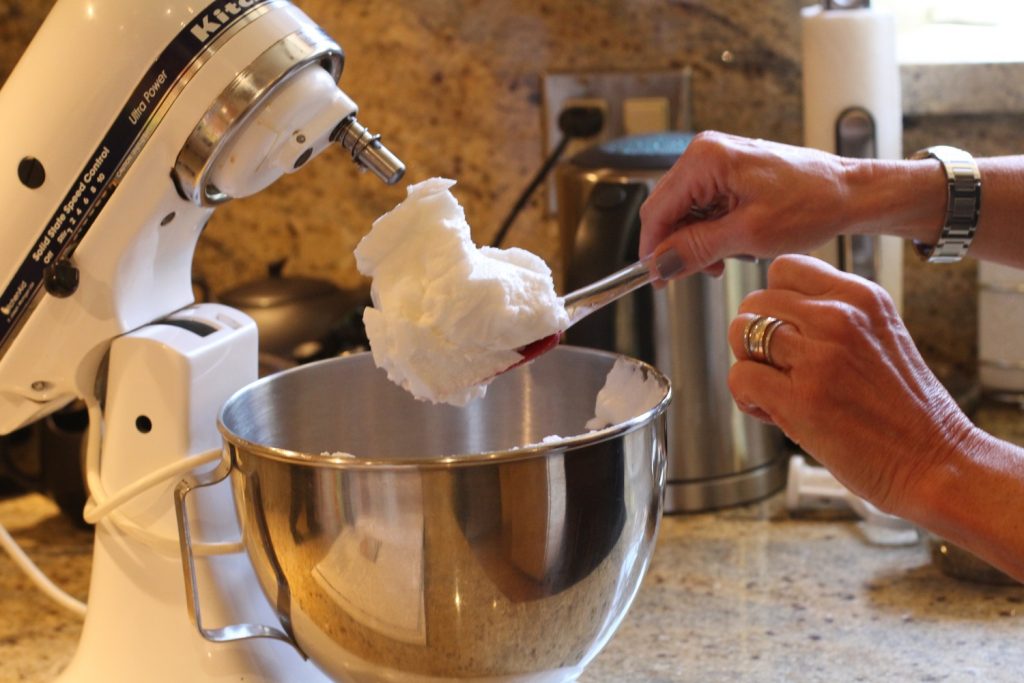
point(454, 88)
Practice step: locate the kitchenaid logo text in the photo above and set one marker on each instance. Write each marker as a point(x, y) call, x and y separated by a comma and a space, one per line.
point(217, 18)
point(12, 305)
point(123, 141)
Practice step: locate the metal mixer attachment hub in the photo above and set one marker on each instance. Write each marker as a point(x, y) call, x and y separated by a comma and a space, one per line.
point(368, 151)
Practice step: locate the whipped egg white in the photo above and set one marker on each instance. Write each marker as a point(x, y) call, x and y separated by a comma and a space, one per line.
point(447, 317)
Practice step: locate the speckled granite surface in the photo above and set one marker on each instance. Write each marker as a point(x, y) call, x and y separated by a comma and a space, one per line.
point(37, 637)
point(749, 594)
point(743, 596)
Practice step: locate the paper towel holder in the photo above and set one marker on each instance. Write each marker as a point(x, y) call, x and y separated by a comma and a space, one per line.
point(856, 138)
point(847, 4)
point(855, 134)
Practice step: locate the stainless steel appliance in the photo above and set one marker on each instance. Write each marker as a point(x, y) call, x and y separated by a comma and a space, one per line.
point(405, 541)
point(717, 456)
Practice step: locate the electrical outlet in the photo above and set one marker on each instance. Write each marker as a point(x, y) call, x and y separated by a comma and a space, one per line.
point(618, 93)
point(645, 115)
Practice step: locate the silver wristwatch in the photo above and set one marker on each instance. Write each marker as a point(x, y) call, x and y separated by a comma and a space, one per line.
point(963, 201)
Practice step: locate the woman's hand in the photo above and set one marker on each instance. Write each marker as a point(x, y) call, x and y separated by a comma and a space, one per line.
point(848, 384)
point(729, 196)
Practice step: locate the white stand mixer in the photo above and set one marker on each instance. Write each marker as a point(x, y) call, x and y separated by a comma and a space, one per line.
point(161, 113)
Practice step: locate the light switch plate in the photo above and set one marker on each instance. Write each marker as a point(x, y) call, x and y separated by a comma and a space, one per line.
point(612, 88)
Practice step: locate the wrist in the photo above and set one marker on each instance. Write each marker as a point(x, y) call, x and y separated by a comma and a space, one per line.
point(963, 204)
point(905, 199)
point(899, 198)
point(976, 502)
point(951, 496)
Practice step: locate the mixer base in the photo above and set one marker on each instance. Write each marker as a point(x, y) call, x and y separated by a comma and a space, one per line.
point(137, 628)
point(165, 384)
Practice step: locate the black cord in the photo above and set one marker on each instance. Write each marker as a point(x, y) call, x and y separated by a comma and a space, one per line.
point(574, 122)
point(524, 198)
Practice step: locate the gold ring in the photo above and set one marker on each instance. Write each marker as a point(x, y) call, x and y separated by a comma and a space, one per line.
point(757, 338)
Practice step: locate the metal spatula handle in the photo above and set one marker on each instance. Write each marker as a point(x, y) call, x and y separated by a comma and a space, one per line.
point(585, 300)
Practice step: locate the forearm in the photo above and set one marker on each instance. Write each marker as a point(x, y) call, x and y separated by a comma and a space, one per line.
point(975, 499)
point(1001, 219)
point(908, 199)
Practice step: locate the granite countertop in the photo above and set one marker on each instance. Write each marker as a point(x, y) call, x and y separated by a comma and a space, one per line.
point(757, 595)
point(749, 594)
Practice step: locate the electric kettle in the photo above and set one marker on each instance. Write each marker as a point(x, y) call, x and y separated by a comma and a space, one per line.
point(717, 455)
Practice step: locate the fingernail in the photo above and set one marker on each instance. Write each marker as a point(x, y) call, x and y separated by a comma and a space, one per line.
point(668, 264)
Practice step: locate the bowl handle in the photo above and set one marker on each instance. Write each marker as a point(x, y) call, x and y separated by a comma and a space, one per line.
point(230, 632)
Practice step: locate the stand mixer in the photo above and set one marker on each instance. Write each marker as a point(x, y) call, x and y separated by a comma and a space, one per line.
point(159, 114)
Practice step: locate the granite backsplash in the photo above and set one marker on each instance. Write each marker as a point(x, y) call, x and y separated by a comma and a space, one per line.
point(454, 87)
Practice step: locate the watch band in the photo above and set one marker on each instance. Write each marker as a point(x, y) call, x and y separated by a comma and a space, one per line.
point(963, 193)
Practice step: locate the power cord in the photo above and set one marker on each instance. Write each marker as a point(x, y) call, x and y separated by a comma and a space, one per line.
point(574, 122)
point(103, 506)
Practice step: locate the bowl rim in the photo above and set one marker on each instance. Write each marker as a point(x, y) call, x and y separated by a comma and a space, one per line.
point(233, 442)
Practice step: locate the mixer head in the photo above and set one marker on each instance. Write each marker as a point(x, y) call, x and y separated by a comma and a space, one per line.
point(159, 116)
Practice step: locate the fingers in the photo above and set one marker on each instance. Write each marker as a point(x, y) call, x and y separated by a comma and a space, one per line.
point(806, 294)
point(767, 352)
point(783, 343)
point(824, 302)
point(662, 210)
point(686, 202)
point(778, 364)
point(804, 274)
point(702, 245)
point(761, 391)
point(728, 195)
point(715, 269)
point(765, 389)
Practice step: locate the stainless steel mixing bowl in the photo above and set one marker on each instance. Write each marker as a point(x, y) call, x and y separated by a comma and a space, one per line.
point(404, 541)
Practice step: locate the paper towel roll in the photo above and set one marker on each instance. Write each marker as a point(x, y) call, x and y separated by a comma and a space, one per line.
point(849, 61)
